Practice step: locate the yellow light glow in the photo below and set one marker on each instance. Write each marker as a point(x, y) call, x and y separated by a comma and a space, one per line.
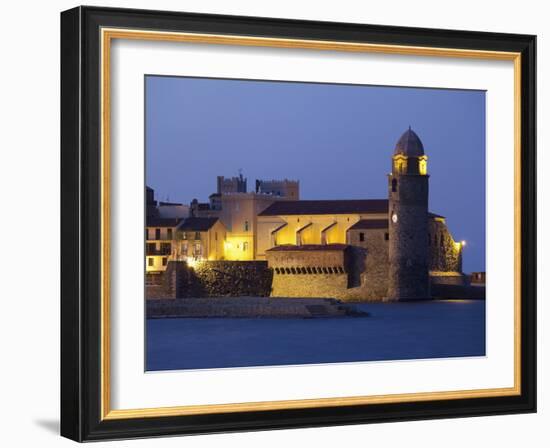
point(238, 248)
point(463, 243)
point(423, 166)
point(192, 262)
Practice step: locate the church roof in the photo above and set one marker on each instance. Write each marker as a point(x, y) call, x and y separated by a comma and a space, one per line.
point(409, 144)
point(308, 247)
point(326, 207)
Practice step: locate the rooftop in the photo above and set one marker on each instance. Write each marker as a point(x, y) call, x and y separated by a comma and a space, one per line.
point(370, 224)
point(197, 224)
point(308, 247)
point(326, 207)
point(409, 144)
point(154, 221)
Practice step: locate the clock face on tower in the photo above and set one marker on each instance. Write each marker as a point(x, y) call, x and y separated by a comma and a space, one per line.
point(394, 218)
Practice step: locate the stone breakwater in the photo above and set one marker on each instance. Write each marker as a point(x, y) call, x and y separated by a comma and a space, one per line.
point(250, 307)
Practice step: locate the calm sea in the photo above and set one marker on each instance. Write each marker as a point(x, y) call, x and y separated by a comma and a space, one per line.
point(393, 331)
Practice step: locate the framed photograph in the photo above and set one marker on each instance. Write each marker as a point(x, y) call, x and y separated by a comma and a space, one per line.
point(272, 223)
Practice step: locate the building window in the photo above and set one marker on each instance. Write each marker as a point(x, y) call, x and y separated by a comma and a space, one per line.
point(169, 234)
point(164, 261)
point(150, 261)
point(183, 236)
point(216, 236)
point(394, 185)
point(246, 226)
point(157, 234)
point(361, 236)
point(197, 250)
point(197, 235)
point(146, 234)
point(245, 246)
point(184, 248)
point(387, 236)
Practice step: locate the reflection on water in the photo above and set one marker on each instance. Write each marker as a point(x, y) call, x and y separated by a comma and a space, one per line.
point(438, 329)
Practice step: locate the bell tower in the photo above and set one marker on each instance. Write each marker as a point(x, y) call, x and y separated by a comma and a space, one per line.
point(408, 220)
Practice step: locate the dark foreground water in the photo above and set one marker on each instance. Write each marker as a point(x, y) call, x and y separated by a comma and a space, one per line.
point(393, 331)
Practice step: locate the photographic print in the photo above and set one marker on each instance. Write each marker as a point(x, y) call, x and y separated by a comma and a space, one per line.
point(293, 223)
point(273, 223)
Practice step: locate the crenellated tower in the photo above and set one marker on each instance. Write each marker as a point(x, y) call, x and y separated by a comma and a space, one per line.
point(408, 220)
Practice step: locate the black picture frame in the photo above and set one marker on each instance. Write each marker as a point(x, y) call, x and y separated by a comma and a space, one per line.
point(81, 224)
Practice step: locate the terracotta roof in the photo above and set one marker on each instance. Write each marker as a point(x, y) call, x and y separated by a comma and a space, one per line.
point(197, 224)
point(370, 224)
point(154, 221)
point(326, 207)
point(308, 247)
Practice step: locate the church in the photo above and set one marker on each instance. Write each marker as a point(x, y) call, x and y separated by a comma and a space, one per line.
point(368, 249)
point(391, 249)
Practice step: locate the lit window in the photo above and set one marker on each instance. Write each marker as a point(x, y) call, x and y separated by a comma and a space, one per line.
point(245, 246)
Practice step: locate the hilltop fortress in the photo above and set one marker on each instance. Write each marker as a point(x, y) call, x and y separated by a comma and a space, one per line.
point(369, 249)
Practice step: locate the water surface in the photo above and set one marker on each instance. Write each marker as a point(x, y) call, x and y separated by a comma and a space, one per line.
point(393, 331)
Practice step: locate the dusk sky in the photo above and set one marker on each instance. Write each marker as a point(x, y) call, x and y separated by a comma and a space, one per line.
point(337, 140)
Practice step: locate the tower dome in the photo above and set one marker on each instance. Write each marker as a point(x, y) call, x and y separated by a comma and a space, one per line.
point(409, 145)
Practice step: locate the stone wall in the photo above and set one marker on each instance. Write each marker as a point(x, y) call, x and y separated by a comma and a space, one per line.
point(310, 285)
point(374, 271)
point(234, 278)
point(213, 279)
point(362, 274)
point(444, 254)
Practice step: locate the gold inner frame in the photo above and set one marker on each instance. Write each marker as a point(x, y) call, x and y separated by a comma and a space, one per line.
point(107, 35)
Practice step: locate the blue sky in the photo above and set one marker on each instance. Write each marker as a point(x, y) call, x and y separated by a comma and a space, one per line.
point(336, 139)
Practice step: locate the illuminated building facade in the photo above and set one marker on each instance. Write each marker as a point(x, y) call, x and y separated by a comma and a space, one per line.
point(160, 234)
point(200, 239)
point(367, 249)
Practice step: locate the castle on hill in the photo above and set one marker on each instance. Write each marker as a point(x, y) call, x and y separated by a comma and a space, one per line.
point(368, 249)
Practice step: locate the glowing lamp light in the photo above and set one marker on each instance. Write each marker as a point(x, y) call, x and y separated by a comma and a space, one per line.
point(463, 243)
point(192, 262)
